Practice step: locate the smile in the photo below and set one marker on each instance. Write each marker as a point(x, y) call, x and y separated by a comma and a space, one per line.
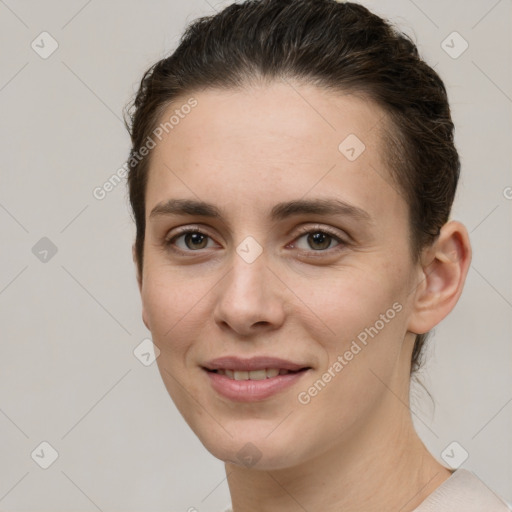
point(266, 373)
point(253, 385)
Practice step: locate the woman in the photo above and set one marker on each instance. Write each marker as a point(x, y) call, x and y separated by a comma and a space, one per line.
point(291, 177)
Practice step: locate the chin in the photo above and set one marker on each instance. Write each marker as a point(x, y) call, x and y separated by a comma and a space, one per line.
point(257, 451)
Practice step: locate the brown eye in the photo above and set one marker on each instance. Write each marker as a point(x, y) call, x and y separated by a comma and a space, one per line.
point(195, 240)
point(190, 240)
point(317, 241)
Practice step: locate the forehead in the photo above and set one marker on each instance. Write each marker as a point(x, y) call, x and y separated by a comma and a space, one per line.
point(281, 115)
point(278, 139)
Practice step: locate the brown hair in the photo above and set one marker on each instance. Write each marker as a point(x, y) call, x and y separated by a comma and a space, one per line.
point(333, 45)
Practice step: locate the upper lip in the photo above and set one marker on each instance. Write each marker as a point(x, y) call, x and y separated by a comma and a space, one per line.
point(253, 363)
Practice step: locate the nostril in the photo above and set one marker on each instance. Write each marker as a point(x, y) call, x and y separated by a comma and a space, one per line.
point(262, 322)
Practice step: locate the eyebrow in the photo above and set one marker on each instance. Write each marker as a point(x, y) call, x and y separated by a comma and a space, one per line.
point(281, 211)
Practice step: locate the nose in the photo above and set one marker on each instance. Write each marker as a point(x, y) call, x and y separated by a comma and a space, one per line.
point(250, 298)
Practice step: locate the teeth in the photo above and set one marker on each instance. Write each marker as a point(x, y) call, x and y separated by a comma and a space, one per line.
point(266, 373)
point(258, 375)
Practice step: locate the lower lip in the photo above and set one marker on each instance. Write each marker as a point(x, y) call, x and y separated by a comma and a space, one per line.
point(252, 390)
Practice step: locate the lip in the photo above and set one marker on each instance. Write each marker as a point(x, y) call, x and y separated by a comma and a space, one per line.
point(253, 363)
point(252, 390)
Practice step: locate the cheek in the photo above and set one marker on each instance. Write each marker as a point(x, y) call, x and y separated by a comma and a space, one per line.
point(171, 305)
point(364, 311)
point(350, 300)
point(173, 308)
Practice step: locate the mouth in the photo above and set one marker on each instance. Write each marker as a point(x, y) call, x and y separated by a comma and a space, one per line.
point(265, 373)
point(252, 380)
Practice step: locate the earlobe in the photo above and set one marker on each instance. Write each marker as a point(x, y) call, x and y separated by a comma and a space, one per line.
point(444, 269)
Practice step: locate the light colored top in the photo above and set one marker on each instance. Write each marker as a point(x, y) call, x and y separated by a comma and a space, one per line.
point(463, 491)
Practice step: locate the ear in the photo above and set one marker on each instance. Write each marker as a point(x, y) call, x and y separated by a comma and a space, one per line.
point(444, 267)
point(139, 282)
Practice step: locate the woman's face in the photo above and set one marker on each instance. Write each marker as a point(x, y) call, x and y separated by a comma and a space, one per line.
point(301, 253)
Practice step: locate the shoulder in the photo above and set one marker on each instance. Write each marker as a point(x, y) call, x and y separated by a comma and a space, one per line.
point(463, 492)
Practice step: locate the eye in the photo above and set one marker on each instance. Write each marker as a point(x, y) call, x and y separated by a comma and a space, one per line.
point(311, 240)
point(191, 239)
point(317, 240)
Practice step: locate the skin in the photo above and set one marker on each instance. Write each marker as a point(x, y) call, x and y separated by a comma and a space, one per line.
point(353, 446)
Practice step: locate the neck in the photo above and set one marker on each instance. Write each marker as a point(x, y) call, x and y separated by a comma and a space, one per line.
point(382, 466)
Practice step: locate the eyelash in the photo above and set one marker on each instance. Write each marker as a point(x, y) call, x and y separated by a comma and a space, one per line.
point(302, 231)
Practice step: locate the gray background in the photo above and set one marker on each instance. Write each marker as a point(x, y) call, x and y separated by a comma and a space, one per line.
point(70, 323)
